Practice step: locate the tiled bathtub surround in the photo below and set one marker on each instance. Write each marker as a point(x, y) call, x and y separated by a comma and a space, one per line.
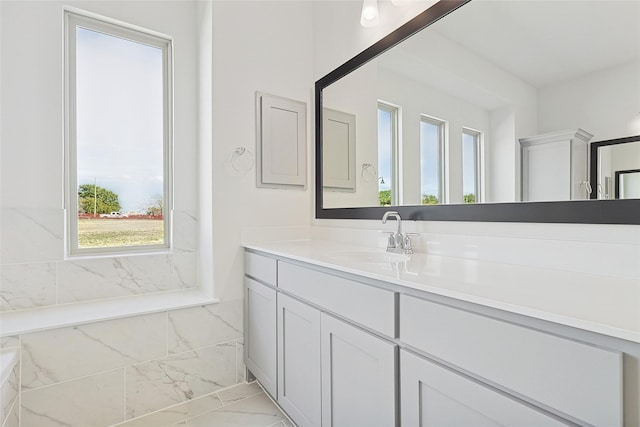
point(9, 387)
point(108, 372)
point(34, 273)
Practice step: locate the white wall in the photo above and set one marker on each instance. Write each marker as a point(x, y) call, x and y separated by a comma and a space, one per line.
point(257, 46)
point(605, 104)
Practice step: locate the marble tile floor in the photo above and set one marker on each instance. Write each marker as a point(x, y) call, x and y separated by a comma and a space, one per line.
point(243, 405)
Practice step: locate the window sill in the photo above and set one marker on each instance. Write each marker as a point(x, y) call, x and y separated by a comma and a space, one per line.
point(41, 319)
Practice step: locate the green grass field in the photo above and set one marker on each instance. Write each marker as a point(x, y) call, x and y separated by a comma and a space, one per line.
point(98, 233)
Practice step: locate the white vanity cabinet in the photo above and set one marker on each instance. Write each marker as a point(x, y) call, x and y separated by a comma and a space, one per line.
point(434, 396)
point(571, 379)
point(260, 333)
point(299, 361)
point(260, 320)
point(334, 366)
point(358, 377)
point(358, 351)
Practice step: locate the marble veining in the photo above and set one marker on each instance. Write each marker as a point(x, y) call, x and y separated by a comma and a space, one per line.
point(31, 235)
point(256, 411)
point(90, 279)
point(221, 409)
point(9, 393)
point(97, 400)
point(216, 323)
point(185, 232)
point(178, 413)
point(160, 383)
point(92, 348)
point(27, 285)
point(185, 270)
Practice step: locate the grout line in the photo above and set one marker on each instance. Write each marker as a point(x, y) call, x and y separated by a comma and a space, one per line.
point(124, 395)
point(19, 399)
point(167, 334)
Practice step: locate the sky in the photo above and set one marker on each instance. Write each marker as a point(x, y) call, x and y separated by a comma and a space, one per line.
point(119, 117)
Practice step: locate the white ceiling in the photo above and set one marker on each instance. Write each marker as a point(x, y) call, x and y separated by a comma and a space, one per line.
point(547, 41)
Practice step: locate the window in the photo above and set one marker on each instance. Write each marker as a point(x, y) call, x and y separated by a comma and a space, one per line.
point(118, 136)
point(471, 166)
point(388, 188)
point(432, 140)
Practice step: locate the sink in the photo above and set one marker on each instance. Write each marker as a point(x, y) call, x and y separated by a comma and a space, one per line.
point(371, 257)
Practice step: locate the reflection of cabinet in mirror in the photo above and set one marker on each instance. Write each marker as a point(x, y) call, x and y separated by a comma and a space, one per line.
point(554, 166)
point(339, 151)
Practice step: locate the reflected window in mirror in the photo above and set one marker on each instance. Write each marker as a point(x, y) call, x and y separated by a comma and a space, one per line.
point(432, 144)
point(471, 166)
point(628, 184)
point(388, 188)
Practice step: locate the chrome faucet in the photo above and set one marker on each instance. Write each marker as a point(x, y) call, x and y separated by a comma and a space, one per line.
point(398, 242)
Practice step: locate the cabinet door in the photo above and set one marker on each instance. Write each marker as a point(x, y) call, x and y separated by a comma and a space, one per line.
point(260, 333)
point(299, 361)
point(436, 396)
point(358, 377)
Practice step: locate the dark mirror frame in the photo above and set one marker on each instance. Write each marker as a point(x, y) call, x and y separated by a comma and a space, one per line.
point(593, 162)
point(576, 211)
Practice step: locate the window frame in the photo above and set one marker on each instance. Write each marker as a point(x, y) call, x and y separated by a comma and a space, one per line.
point(443, 126)
point(478, 137)
point(74, 18)
point(395, 112)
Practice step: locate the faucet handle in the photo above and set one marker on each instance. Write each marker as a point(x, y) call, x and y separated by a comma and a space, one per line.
point(391, 240)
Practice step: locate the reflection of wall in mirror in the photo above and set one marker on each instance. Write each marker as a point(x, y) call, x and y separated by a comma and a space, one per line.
point(612, 159)
point(364, 107)
point(605, 102)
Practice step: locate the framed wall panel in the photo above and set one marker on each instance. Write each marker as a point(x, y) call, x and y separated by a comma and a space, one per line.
point(281, 142)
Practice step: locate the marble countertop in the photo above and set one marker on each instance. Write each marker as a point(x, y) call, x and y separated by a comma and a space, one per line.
point(597, 303)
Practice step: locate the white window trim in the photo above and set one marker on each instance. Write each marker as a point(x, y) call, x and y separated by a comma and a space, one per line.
point(396, 151)
point(72, 18)
point(479, 158)
point(443, 155)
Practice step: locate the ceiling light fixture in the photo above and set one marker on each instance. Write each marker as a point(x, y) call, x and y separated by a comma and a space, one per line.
point(400, 2)
point(370, 16)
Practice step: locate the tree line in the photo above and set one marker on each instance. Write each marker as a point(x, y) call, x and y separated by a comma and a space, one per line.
point(93, 199)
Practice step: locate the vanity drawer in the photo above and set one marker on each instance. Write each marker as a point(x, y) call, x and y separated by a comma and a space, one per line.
point(576, 379)
point(367, 305)
point(260, 267)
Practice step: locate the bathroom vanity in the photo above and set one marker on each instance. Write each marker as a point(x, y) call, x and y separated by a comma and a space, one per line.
point(341, 335)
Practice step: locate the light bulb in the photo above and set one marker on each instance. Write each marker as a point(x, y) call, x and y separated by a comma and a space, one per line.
point(370, 16)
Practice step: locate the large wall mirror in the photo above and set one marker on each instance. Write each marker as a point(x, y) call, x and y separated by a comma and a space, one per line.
point(487, 111)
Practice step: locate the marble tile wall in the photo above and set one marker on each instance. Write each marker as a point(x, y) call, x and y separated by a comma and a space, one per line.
point(34, 273)
point(9, 396)
point(109, 372)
